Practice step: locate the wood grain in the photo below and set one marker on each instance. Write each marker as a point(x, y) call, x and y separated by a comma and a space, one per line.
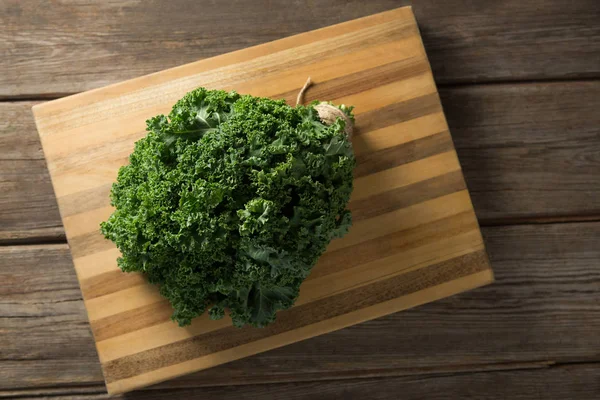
point(45, 339)
point(558, 383)
point(528, 151)
point(76, 46)
point(382, 62)
point(543, 308)
point(27, 205)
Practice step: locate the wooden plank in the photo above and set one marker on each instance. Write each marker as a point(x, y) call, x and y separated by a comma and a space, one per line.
point(45, 339)
point(580, 382)
point(433, 248)
point(27, 205)
point(527, 151)
point(76, 46)
point(542, 308)
point(511, 39)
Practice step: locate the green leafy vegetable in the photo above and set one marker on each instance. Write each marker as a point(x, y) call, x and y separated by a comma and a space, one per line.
point(228, 203)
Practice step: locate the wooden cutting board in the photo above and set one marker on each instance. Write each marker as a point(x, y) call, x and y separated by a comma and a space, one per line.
point(415, 236)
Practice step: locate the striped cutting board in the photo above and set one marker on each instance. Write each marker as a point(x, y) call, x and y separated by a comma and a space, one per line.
point(415, 237)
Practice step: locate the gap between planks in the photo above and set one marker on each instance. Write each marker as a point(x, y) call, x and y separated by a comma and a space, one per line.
point(43, 239)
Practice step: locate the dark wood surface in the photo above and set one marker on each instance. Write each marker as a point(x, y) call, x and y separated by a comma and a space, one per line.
point(59, 47)
point(519, 84)
point(555, 383)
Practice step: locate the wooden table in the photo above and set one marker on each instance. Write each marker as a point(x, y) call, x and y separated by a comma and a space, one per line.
point(520, 84)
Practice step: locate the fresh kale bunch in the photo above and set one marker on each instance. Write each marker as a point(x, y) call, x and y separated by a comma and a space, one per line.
point(229, 202)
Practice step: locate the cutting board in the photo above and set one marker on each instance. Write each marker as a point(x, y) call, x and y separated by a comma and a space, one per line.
point(415, 237)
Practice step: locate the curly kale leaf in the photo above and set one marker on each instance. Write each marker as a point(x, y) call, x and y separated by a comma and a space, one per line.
point(229, 201)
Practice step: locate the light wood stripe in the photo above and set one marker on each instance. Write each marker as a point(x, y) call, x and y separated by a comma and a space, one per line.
point(110, 282)
point(95, 264)
point(415, 237)
point(89, 243)
point(132, 321)
point(404, 110)
point(404, 218)
point(80, 224)
point(377, 161)
point(404, 175)
point(123, 300)
point(109, 156)
point(155, 335)
point(83, 201)
point(335, 261)
point(413, 258)
point(368, 63)
point(399, 133)
point(405, 196)
point(383, 96)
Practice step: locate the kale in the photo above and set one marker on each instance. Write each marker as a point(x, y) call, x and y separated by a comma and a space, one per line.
point(229, 201)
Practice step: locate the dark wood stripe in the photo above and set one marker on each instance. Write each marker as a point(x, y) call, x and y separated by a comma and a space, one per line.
point(405, 196)
point(80, 202)
point(89, 243)
point(304, 315)
point(397, 112)
point(371, 162)
point(360, 81)
point(132, 320)
point(110, 282)
point(395, 243)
